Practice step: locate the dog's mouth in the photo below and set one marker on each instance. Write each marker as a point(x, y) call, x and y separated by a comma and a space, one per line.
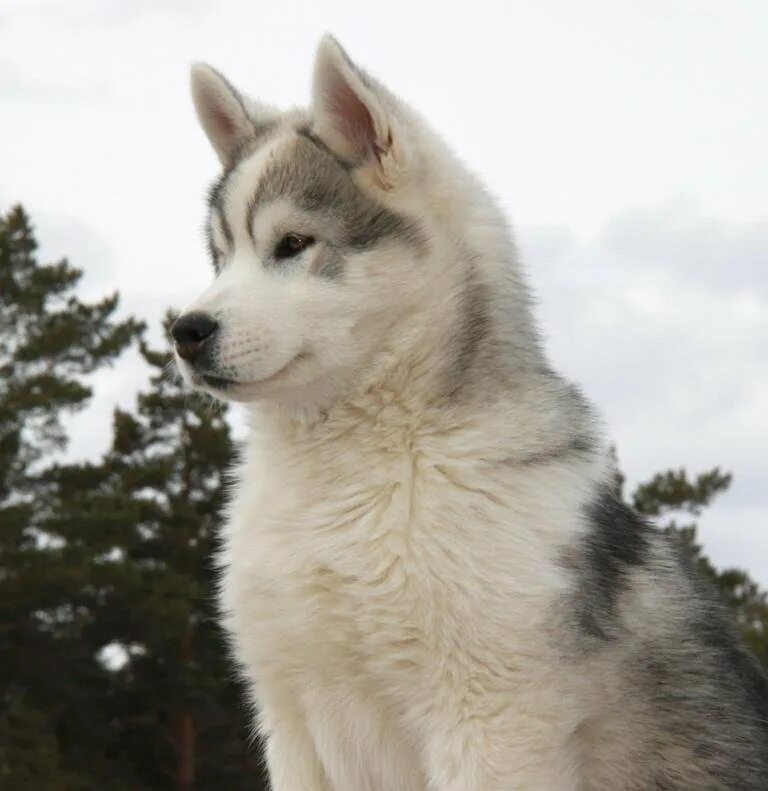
point(218, 382)
point(223, 383)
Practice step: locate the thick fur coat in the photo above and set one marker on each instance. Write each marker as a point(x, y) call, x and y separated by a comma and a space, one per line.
point(427, 576)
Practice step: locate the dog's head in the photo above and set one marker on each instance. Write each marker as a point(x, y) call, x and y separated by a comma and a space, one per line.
point(322, 232)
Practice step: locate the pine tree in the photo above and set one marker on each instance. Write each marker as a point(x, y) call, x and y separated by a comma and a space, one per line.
point(49, 342)
point(147, 518)
point(670, 496)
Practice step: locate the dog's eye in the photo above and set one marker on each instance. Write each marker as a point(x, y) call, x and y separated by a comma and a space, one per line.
point(292, 244)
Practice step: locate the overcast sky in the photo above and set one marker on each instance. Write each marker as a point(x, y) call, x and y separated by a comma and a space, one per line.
point(626, 139)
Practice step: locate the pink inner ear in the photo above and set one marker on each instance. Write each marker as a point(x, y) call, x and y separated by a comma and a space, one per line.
point(224, 123)
point(352, 117)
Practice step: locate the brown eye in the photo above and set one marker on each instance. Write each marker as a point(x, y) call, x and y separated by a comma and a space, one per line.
point(292, 244)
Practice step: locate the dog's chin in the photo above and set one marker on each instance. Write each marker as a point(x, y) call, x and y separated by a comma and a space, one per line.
point(223, 388)
point(228, 389)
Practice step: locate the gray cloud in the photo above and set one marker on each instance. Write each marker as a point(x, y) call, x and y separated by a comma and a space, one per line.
point(709, 251)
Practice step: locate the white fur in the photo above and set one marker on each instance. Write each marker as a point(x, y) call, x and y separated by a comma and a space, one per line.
point(392, 594)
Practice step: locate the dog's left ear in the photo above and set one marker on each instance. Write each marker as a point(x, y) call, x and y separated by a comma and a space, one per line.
point(229, 119)
point(354, 116)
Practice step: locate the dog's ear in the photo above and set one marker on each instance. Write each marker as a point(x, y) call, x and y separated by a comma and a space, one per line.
point(353, 115)
point(224, 114)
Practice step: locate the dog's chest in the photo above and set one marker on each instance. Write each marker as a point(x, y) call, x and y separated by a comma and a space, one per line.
point(379, 560)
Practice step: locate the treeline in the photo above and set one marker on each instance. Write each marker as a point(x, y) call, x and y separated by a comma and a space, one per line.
point(113, 671)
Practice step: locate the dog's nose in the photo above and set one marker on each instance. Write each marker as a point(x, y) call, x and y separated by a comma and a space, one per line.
point(190, 331)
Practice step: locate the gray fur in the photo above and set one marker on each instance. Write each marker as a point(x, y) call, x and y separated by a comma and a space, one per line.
point(331, 264)
point(315, 180)
point(473, 333)
point(576, 446)
point(616, 542)
point(674, 677)
point(308, 132)
point(216, 203)
point(262, 132)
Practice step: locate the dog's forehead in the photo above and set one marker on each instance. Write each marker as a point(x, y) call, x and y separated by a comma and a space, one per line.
point(301, 170)
point(290, 166)
point(296, 168)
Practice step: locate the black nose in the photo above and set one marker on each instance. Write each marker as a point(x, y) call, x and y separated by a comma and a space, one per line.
point(190, 331)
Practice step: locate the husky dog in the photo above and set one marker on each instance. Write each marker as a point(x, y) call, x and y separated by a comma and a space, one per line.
point(428, 577)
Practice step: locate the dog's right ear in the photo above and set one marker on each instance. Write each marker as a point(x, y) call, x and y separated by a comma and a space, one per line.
point(222, 111)
point(353, 115)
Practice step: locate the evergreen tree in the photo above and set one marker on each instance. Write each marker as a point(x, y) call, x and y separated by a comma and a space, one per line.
point(146, 520)
point(49, 342)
